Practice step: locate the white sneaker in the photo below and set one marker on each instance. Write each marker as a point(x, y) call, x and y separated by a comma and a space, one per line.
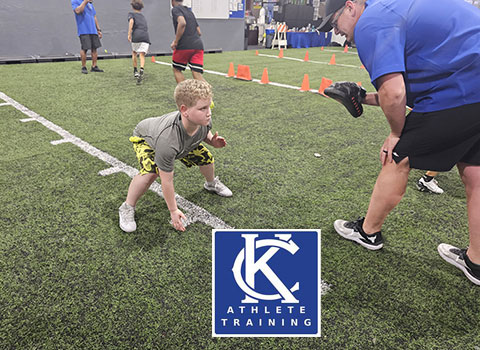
point(353, 231)
point(458, 258)
point(216, 186)
point(430, 186)
point(126, 214)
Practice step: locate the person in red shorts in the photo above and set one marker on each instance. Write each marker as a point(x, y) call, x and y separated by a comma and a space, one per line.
point(187, 46)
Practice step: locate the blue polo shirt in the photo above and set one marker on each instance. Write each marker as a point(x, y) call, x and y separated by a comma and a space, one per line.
point(434, 43)
point(85, 20)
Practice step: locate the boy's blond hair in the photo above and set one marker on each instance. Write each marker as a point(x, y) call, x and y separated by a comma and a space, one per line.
point(189, 91)
point(137, 4)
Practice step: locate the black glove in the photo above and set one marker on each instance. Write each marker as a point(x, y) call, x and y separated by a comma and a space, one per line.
point(348, 94)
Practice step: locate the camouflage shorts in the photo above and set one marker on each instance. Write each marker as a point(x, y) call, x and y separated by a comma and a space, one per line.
point(146, 156)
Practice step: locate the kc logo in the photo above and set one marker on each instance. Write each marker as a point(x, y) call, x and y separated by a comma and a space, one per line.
point(266, 283)
point(247, 254)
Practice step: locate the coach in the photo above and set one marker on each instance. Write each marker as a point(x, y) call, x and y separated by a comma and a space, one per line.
point(424, 54)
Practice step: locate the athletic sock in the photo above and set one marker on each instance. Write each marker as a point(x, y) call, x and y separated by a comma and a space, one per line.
point(428, 178)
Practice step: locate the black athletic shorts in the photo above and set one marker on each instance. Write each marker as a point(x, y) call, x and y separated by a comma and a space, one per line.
point(439, 140)
point(89, 42)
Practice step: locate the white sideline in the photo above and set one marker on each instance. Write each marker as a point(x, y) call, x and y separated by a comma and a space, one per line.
point(193, 212)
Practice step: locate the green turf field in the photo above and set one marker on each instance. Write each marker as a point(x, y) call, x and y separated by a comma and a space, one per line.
point(71, 279)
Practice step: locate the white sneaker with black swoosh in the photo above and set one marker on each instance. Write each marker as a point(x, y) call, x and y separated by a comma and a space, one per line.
point(353, 231)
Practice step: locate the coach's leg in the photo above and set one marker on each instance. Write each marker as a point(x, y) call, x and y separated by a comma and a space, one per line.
point(387, 193)
point(470, 175)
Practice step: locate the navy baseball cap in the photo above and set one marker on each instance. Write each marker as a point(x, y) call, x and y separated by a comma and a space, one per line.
point(331, 7)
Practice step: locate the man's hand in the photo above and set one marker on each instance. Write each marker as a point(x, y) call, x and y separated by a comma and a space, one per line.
point(173, 45)
point(177, 217)
point(387, 149)
point(217, 141)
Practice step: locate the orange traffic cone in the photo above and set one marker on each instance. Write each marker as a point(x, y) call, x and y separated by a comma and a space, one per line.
point(362, 66)
point(332, 60)
point(306, 57)
point(231, 71)
point(243, 72)
point(321, 49)
point(264, 77)
point(345, 49)
point(280, 55)
point(256, 52)
point(305, 83)
point(359, 83)
point(324, 84)
point(153, 59)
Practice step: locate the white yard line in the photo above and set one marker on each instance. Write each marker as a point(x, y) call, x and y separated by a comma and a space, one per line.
point(193, 212)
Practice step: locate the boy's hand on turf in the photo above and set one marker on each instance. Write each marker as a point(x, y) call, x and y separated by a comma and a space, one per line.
point(177, 217)
point(218, 141)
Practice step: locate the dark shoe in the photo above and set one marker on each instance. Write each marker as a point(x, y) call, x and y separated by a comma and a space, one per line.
point(84, 70)
point(96, 69)
point(459, 258)
point(135, 73)
point(140, 77)
point(353, 231)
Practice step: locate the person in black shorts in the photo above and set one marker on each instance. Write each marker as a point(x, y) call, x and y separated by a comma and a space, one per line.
point(88, 31)
point(414, 61)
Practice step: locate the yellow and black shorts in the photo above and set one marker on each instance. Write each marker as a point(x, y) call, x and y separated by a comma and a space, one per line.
point(146, 156)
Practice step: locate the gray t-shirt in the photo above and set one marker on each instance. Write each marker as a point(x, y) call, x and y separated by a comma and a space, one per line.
point(168, 137)
point(190, 39)
point(140, 28)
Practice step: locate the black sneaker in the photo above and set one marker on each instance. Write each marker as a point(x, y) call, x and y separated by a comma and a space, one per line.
point(353, 230)
point(135, 73)
point(96, 69)
point(84, 70)
point(459, 258)
point(140, 77)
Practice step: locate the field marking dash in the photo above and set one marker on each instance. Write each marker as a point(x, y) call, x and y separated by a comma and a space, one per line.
point(197, 213)
point(58, 142)
point(4, 104)
point(109, 171)
point(26, 120)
